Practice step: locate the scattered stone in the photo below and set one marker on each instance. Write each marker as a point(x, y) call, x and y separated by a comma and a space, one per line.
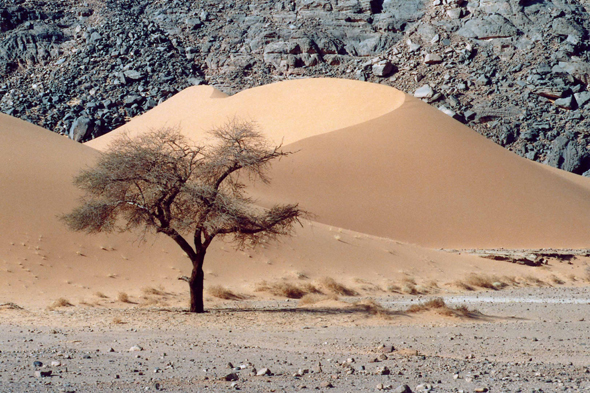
point(383, 370)
point(326, 384)
point(43, 374)
point(383, 68)
point(432, 59)
point(55, 363)
point(565, 103)
point(424, 92)
point(37, 363)
point(263, 372)
point(402, 389)
point(231, 377)
point(135, 348)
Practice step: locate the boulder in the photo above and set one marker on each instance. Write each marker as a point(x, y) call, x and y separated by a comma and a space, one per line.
point(492, 26)
point(383, 68)
point(81, 129)
point(424, 92)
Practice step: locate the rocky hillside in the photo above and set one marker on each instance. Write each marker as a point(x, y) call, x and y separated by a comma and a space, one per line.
point(517, 71)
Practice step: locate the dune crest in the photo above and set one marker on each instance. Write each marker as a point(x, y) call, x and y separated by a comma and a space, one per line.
point(286, 111)
point(374, 160)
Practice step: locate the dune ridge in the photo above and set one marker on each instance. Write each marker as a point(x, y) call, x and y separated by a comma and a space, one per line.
point(402, 170)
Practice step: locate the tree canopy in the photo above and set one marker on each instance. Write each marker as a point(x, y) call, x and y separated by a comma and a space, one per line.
point(161, 181)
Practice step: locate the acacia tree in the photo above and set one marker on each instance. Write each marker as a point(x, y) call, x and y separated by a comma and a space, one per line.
point(192, 193)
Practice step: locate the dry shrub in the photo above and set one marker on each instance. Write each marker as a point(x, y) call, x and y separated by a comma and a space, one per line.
point(221, 292)
point(61, 302)
point(429, 305)
point(100, 295)
point(153, 291)
point(557, 280)
point(481, 281)
point(587, 274)
point(534, 281)
point(439, 305)
point(313, 298)
point(393, 288)
point(147, 301)
point(371, 306)
point(123, 297)
point(330, 285)
point(118, 321)
point(282, 289)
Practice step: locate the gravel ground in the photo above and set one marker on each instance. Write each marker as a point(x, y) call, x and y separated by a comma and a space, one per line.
point(525, 340)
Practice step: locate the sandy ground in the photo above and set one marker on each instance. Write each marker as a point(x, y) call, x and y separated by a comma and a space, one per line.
point(524, 339)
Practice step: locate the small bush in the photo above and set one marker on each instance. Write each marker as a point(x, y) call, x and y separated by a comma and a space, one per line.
point(223, 293)
point(481, 281)
point(282, 289)
point(330, 285)
point(313, 298)
point(100, 295)
point(61, 302)
point(440, 307)
point(153, 291)
point(123, 297)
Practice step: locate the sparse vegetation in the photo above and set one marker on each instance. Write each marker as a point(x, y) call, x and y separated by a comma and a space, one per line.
point(100, 295)
point(117, 321)
point(330, 285)
point(161, 181)
point(440, 307)
point(282, 289)
point(221, 292)
point(153, 291)
point(123, 297)
point(313, 298)
point(61, 302)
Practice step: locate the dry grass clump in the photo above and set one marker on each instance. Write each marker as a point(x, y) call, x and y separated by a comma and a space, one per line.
point(61, 302)
point(372, 307)
point(123, 297)
point(117, 321)
point(330, 285)
point(100, 295)
point(556, 280)
point(440, 307)
point(153, 291)
point(480, 281)
point(221, 292)
point(586, 276)
point(282, 289)
point(313, 298)
point(534, 281)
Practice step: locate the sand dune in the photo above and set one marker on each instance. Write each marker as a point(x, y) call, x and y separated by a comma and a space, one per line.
point(40, 260)
point(374, 160)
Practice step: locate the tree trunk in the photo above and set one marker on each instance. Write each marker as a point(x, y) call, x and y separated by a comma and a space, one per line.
point(196, 284)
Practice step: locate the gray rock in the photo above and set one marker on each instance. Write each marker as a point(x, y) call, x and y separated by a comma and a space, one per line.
point(383, 68)
point(432, 58)
point(402, 389)
point(43, 374)
point(263, 372)
point(383, 370)
point(565, 103)
point(81, 129)
point(492, 26)
point(582, 98)
point(135, 348)
point(446, 111)
point(578, 69)
point(133, 75)
point(424, 92)
point(231, 377)
point(455, 13)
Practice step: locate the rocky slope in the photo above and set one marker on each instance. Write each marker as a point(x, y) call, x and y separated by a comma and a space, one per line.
point(517, 71)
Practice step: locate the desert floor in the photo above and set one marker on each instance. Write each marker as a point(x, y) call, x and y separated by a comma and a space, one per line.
point(517, 340)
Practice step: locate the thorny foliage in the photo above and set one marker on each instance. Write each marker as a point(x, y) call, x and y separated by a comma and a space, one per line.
point(162, 181)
